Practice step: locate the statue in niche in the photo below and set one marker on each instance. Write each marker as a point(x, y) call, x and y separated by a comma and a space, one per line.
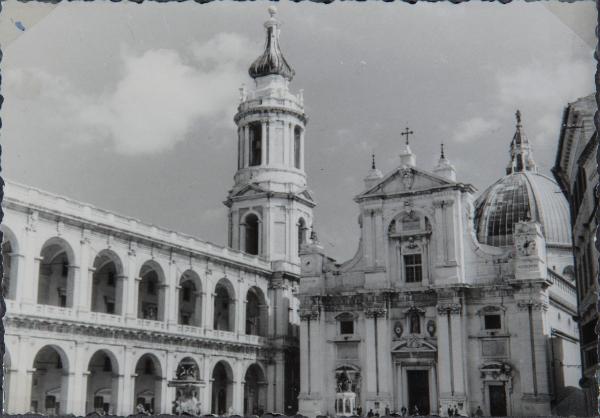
point(344, 384)
point(415, 323)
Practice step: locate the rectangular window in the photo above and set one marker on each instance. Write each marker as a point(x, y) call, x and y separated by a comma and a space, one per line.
point(346, 327)
point(63, 301)
point(492, 322)
point(413, 268)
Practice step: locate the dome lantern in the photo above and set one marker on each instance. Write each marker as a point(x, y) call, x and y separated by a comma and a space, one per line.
point(521, 156)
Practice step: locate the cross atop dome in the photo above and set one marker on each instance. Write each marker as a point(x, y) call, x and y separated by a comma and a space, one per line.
point(271, 62)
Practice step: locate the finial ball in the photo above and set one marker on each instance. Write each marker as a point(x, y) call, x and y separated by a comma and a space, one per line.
point(272, 11)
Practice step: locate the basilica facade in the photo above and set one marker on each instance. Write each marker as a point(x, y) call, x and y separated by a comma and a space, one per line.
point(450, 303)
point(108, 314)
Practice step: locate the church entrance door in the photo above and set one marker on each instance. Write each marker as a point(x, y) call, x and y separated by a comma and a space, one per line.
point(418, 391)
point(497, 400)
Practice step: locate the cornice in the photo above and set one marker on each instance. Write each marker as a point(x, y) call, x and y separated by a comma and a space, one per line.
point(102, 331)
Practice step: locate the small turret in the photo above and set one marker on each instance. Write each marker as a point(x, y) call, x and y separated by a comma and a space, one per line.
point(444, 168)
point(374, 174)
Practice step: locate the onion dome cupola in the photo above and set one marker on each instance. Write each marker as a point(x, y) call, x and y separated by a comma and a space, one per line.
point(523, 194)
point(271, 62)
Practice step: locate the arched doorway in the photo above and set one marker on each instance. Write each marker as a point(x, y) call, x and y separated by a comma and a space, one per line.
point(102, 384)
point(148, 385)
point(224, 306)
point(151, 293)
point(222, 388)
point(49, 384)
point(255, 391)
point(55, 285)
point(190, 299)
point(106, 286)
point(256, 312)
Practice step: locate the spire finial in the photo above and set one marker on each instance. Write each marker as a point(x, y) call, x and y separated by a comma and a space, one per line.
point(373, 161)
point(518, 115)
point(442, 156)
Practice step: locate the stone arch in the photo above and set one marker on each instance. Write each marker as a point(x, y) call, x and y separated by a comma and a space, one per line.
point(255, 390)
point(222, 387)
point(56, 274)
point(148, 384)
point(151, 291)
point(107, 283)
point(49, 383)
point(102, 383)
point(224, 306)
point(256, 312)
point(190, 299)
point(10, 262)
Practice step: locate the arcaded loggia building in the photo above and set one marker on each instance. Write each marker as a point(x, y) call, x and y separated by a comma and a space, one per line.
point(449, 302)
point(108, 313)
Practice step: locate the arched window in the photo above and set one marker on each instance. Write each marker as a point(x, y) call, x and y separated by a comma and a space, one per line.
point(301, 233)
point(252, 234)
point(297, 145)
point(255, 132)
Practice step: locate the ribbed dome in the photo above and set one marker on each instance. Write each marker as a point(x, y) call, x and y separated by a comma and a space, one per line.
point(271, 62)
point(523, 194)
point(520, 196)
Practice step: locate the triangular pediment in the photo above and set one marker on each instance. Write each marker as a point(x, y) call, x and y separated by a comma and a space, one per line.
point(415, 345)
point(407, 179)
point(248, 190)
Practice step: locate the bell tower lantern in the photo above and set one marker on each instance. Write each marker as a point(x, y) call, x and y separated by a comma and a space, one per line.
point(270, 208)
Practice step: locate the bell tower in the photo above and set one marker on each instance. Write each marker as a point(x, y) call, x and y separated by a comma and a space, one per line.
point(270, 207)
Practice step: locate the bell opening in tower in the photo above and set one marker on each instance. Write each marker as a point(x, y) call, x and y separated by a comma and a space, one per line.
point(255, 131)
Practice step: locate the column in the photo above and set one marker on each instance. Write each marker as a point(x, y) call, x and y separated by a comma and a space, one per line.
point(121, 289)
point(241, 308)
point(238, 388)
point(441, 248)
point(205, 315)
point(246, 146)
point(29, 275)
point(127, 384)
point(378, 237)
point(83, 281)
point(302, 149)
point(172, 296)
point(131, 307)
point(163, 302)
point(279, 383)
point(17, 264)
point(84, 407)
point(264, 144)
point(207, 390)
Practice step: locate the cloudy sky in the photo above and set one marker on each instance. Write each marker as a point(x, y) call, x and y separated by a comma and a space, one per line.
point(129, 107)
